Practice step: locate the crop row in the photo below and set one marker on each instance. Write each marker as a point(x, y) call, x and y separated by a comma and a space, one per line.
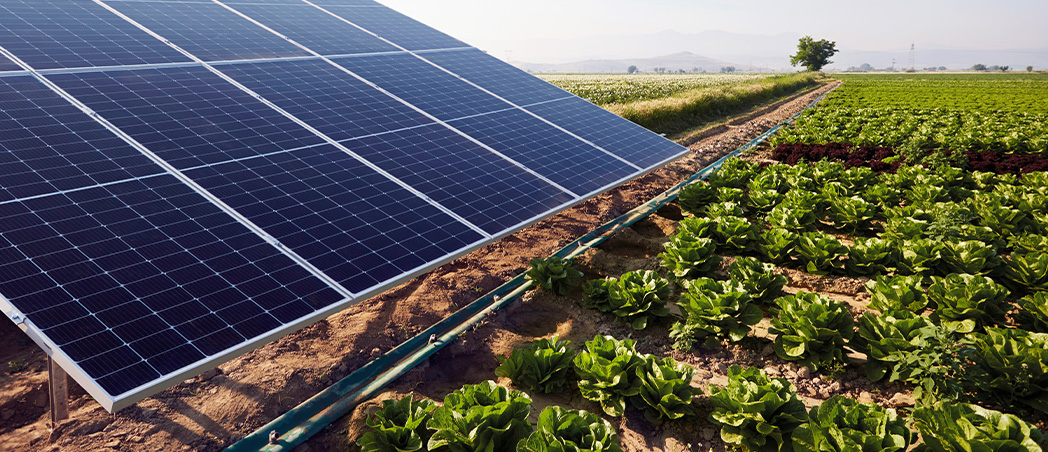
point(604, 89)
point(982, 93)
point(885, 159)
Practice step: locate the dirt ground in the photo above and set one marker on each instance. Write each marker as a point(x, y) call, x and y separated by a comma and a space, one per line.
point(214, 410)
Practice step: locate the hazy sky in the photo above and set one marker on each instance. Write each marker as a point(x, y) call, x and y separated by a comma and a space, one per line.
point(497, 25)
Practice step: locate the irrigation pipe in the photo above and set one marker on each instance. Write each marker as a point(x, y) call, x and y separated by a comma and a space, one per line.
point(313, 415)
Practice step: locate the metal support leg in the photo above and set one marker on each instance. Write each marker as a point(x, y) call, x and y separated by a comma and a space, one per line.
point(59, 392)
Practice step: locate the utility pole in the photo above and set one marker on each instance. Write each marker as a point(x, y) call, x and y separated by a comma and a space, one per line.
point(913, 67)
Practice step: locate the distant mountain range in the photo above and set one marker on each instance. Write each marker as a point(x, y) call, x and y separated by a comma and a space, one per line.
point(711, 50)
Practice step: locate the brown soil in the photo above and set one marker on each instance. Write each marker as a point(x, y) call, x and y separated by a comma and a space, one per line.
point(214, 410)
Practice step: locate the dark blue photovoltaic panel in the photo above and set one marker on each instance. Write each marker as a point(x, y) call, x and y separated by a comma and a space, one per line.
point(315, 29)
point(8, 65)
point(556, 155)
point(424, 86)
point(326, 3)
point(397, 28)
point(496, 76)
point(325, 97)
point(49, 34)
point(186, 115)
point(609, 131)
point(47, 145)
point(138, 279)
point(209, 31)
point(352, 223)
point(485, 189)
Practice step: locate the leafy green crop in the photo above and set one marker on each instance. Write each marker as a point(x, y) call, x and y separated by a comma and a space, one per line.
point(870, 257)
point(607, 373)
point(554, 274)
point(561, 430)
point(732, 195)
point(851, 214)
point(811, 329)
point(736, 234)
point(757, 278)
point(755, 411)
point(695, 197)
point(1012, 366)
point(970, 256)
point(690, 258)
point(1027, 273)
point(946, 427)
point(714, 311)
point(725, 209)
point(820, 253)
point(696, 228)
point(665, 391)
point(764, 200)
point(734, 173)
point(484, 416)
point(891, 293)
point(399, 426)
point(635, 297)
point(1033, 313)
point(917, 257)
point(777, 245)
point(542, 366)
point(841, 424)
point(791, 217)
point(1028, 243)
point(966, 302)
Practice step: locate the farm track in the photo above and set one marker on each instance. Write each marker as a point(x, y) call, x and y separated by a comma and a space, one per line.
point(211, 411)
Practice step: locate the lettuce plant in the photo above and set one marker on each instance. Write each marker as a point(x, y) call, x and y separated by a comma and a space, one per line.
point(917, 257)
point(725, 209)
point(1028, 243)
point(891, 293)
point(665, 390)
point(851, 214)
point(772, 178)
point(777, 245)
point(757, 278)
point(1012, 367)
point(966, 302)
point(694, 198)
point(399, 426)
point(732, 195)
point(714, 311)
point(561, 430)
point(947, 427)
point(1033, 313)
point(755, 411)
point(811, 329)
point(554, 274)
point(635, 297)
point(820, 253)
point(869, 257)
point(841, 424)
point(696, 228)
point(734, 173)
point(690, 258)
point(882, 195)
point(607, 372)
point(791, 217)
point(1026, 273)
point(484, 416)
point(736, 234)
point(1003, 221)
point(542, 366)
point(901, 227)
point(903, 346)
point(970, 256)
point(764, 200)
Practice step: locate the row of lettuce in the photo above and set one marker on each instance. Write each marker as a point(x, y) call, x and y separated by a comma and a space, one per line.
point(753, 410)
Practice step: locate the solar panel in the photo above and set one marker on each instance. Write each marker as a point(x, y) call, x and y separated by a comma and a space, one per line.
point(180, 183)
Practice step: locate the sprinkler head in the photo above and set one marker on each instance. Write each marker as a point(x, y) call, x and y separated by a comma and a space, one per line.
point(274, 437)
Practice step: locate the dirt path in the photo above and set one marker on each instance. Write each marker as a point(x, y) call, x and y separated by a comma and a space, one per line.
point(211, 411)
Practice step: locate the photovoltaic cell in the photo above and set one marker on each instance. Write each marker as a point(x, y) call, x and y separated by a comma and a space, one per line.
point(397, 28)
point(8, 65)
point(496, 76)
point(138, 279)
point(49, 34)
point(186, 115)
point(609, 131)
point(556, 155)
point(326, 97)
point(47, 145)
point(424, 86)
point(487, 190)
point(315, 29)
point(208, 31)
point(355, 225)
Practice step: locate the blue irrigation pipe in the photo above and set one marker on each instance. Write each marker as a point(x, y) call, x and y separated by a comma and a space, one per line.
point(309, 418)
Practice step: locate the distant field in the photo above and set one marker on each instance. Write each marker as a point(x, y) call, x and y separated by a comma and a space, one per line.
point(605, 89)
point(1016, 92)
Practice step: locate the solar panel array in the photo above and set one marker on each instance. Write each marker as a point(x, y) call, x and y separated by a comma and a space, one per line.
point(183, 181)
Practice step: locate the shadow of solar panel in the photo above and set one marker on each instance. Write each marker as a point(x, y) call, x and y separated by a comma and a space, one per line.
point(609, 131)
point(496, 76)
point(208, 31)
point(136, 280)
point(319, 31)
point(48, 34)
point(395, 27)
point(47, 145)
point(423, 85)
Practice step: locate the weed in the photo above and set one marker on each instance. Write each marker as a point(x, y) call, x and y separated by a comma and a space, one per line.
point(17, 366)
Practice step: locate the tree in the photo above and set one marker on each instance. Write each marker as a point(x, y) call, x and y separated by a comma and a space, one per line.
point(866, 67)
point(1029, 68)
point(812, 54)
point(979, 67)
point(632, 69)
point(1005, 68)
point(727, 69)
